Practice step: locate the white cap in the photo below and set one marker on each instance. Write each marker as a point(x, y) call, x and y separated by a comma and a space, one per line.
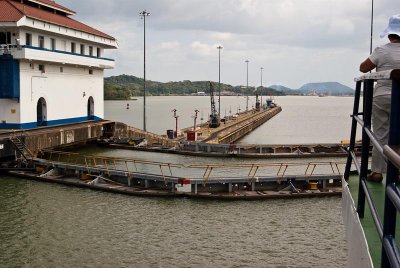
point(393, 27)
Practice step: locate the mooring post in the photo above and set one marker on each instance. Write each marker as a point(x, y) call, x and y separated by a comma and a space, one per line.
point(253, 186)
point(195, 188)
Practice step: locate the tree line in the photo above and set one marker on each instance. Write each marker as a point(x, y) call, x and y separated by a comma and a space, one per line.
point(126, 86)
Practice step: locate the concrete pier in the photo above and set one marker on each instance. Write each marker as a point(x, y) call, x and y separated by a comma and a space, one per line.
point(234, 128)
point(35, 140)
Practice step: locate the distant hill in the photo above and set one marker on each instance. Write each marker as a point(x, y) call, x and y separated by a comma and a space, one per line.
point(332, 88)
point(126, 86)
point(328, 88)
point(281, 88)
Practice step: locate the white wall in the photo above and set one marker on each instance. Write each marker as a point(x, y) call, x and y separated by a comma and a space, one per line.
point(63, 91)
point(63, 43)
point(9, 111)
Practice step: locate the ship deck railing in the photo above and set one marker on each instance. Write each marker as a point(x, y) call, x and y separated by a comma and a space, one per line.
point(385, 225)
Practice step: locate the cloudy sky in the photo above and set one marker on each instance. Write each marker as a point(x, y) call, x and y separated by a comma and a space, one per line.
point(295, 41)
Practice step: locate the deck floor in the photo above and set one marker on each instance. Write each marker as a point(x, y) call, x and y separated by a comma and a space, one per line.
point(377, 191)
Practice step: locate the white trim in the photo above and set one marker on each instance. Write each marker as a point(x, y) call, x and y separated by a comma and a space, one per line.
point(357, 246)
point(56, 29)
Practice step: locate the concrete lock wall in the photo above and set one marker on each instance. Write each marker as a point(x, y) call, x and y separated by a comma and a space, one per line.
point(51, 139)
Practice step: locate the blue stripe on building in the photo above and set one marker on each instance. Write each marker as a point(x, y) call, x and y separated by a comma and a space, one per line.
point(48, 123)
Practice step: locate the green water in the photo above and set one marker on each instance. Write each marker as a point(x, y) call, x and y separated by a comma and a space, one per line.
point(47, 225)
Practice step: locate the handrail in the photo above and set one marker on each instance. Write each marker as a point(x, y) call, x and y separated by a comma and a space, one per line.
point(209, 171)
point(386, 228)
point(383, 75)
point(392, 155)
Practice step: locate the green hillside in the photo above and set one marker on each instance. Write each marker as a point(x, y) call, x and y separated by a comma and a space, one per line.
point(126, 86)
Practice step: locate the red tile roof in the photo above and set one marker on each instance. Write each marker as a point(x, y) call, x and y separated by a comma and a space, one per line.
point(54, 5)
point(8, 13)
point(13, 11)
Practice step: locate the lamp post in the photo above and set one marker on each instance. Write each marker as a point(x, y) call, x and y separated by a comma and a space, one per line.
point(219, 79)
point(247, 83)
point(176, 122)
point(372, 26)
point(143, 16)
point(195, 117)
point(262, 68)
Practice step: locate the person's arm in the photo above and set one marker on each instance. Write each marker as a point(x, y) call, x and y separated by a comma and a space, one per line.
point(367, 66)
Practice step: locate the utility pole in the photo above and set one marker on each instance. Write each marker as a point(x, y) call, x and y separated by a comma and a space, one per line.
point(247, 84)
point(143, 16)
point(219, 80)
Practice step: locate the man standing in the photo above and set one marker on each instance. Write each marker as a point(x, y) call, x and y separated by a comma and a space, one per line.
point(383, 58)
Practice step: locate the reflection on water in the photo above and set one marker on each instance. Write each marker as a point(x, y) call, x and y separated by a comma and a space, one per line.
point(45, 225)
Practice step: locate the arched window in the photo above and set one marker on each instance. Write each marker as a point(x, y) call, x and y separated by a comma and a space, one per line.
point(90, 109)
point(41, 110)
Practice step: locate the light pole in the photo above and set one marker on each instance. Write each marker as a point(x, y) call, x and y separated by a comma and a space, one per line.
point(247, 84)
point(195, 117)
point(143, 16)
point(176, 122)
point(219, 79)
point(372, 26)
point(262, 68)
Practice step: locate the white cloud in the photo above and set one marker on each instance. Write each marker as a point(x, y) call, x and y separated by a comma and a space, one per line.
point(202, 49)
point(172, 45)
point(295, 41)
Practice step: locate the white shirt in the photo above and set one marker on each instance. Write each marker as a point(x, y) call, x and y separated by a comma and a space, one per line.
point(386, 57)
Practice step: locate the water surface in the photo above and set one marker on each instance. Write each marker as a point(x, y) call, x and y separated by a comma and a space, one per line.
point(46, 225)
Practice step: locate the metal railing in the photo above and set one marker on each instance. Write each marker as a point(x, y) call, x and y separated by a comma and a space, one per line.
point(386, 228)
point(198, 173)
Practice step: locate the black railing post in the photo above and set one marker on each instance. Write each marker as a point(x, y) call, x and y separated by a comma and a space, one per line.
point(353, 134)
point(390, 214)
point(367, 111)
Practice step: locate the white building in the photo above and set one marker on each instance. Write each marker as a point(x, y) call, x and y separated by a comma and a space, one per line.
point(51, 66)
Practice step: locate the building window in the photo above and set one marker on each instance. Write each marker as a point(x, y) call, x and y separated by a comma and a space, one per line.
point(98, 52)
point(5, 38)
point(82, 49)
point(53, 43)
point(73, 47)
point(41, 68)
point(41, 41)
point(32, 66)
point(28, 39)
point(90, 50)
point(90, 71)
point(61, 69)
